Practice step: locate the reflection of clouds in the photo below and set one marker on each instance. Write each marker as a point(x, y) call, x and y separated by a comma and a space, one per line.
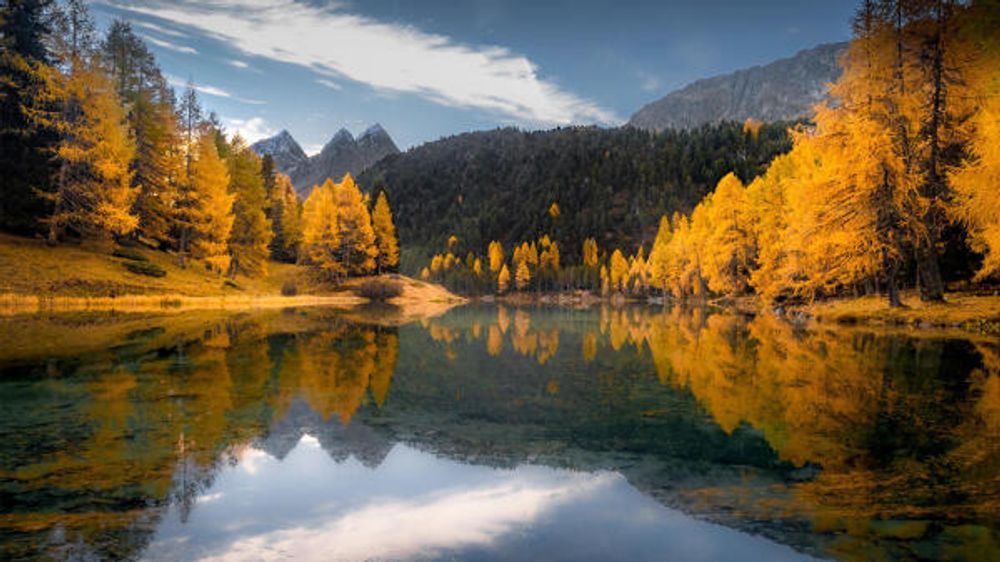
point(421, 527)
point(413, 505)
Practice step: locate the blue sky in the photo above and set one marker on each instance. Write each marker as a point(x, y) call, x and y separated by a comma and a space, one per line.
point(431, 68)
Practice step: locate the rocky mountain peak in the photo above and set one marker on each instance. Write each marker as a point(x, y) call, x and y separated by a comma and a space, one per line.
point(783, 90)
point(341, 155)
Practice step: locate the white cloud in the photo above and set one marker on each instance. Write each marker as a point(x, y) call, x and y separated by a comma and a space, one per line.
point(169, 45)
point(159, 29)
point(239, 64)
point(252, 130)
point(388, 57)
point(329, 84)
point(210, 91)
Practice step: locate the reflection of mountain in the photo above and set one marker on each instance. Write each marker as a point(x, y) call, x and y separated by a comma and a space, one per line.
point(340, 441)
point(827, 440)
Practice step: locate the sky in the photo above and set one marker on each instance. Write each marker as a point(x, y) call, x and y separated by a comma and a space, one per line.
point(425, 69)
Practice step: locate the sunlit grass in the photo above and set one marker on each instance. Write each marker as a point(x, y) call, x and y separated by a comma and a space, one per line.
point(958, 310)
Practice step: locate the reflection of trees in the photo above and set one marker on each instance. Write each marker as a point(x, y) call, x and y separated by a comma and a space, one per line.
point(890, 431)
point(151, 424)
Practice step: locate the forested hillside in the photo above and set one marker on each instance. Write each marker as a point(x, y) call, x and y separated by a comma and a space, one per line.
point(613, 184)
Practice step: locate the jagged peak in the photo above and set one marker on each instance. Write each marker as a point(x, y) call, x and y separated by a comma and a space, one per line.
point(341, 136)
point(375, 129)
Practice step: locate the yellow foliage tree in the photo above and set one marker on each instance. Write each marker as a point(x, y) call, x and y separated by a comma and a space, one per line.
point(211, 209)
point(522, 276)
point(320, 233)
point(590, 252)
point(250, 237)
point(357, 251)
point(94, 192)
point(496, 256)
point(729, 248)
point(385, 235)
point(503, 279)
point(618, 275)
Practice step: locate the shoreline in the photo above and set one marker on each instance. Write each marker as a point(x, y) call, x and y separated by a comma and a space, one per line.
point(16, 304)
point(969, 312)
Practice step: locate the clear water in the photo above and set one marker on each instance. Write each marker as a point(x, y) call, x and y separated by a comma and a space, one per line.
point(494, 433)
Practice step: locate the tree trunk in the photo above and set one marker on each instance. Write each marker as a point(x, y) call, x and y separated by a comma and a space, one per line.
point(928, 268)
point(891, 267)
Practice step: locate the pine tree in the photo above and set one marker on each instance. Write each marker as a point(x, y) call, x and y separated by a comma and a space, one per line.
point(618, 275)
point(27, 137)
point(92, 191)
point(590, 252)
point(977, 180)
point(522, 276)
point(659, 257)
point(158, 166)
point(287, 215)
point(192, 127)
point(354, 228)
point(251, 233)
point(320, 235)
point(503, 279)
point(729, 247)
point(496, 256)
point(385, 235)
point(210, 216)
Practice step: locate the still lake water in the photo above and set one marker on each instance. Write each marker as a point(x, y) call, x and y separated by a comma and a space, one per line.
point(493, 433)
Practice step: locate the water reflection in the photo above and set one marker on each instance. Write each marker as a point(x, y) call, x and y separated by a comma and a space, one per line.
point(212, 436)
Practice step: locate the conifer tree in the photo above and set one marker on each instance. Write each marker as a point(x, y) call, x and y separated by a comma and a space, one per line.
point(503, 279)
point(659, 257)
point(522, 276)
point(251, 233)
point(192, 128)
point(320, 234)
point(618, 274)
point(209, 215)
point(385, 235)
point(287, 215)
point(590, 252)
point(27, 137)
point(354, 225)
point(92, 189)
point(496, 256)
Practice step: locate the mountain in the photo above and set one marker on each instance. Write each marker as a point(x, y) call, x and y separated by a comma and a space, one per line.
point(341, 155)
point(284, 149)
point(784, 90)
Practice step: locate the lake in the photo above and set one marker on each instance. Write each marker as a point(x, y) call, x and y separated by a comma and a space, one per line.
point(494, 433)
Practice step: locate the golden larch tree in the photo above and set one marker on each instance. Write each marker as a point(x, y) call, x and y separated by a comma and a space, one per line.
point(503, 279)
point(354, 228)
point(93, 187)
point(211, 209)
point(385, 235)
point(496, 256)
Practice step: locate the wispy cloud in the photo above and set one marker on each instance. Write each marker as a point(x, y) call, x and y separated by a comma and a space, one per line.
point(159, 29)
point(210, 90)
point(168, 45)
point(238, 63)
point(252, 130)
point(386, 56)
point(329, 84)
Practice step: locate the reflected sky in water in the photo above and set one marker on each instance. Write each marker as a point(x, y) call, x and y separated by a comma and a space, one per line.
point(494, 433)
point(417, 506)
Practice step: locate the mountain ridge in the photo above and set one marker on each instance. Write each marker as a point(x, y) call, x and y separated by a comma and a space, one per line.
point(782, 90)
point(342, 154)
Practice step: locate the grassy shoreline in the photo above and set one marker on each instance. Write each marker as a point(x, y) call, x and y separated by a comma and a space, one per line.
point(93, 276)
